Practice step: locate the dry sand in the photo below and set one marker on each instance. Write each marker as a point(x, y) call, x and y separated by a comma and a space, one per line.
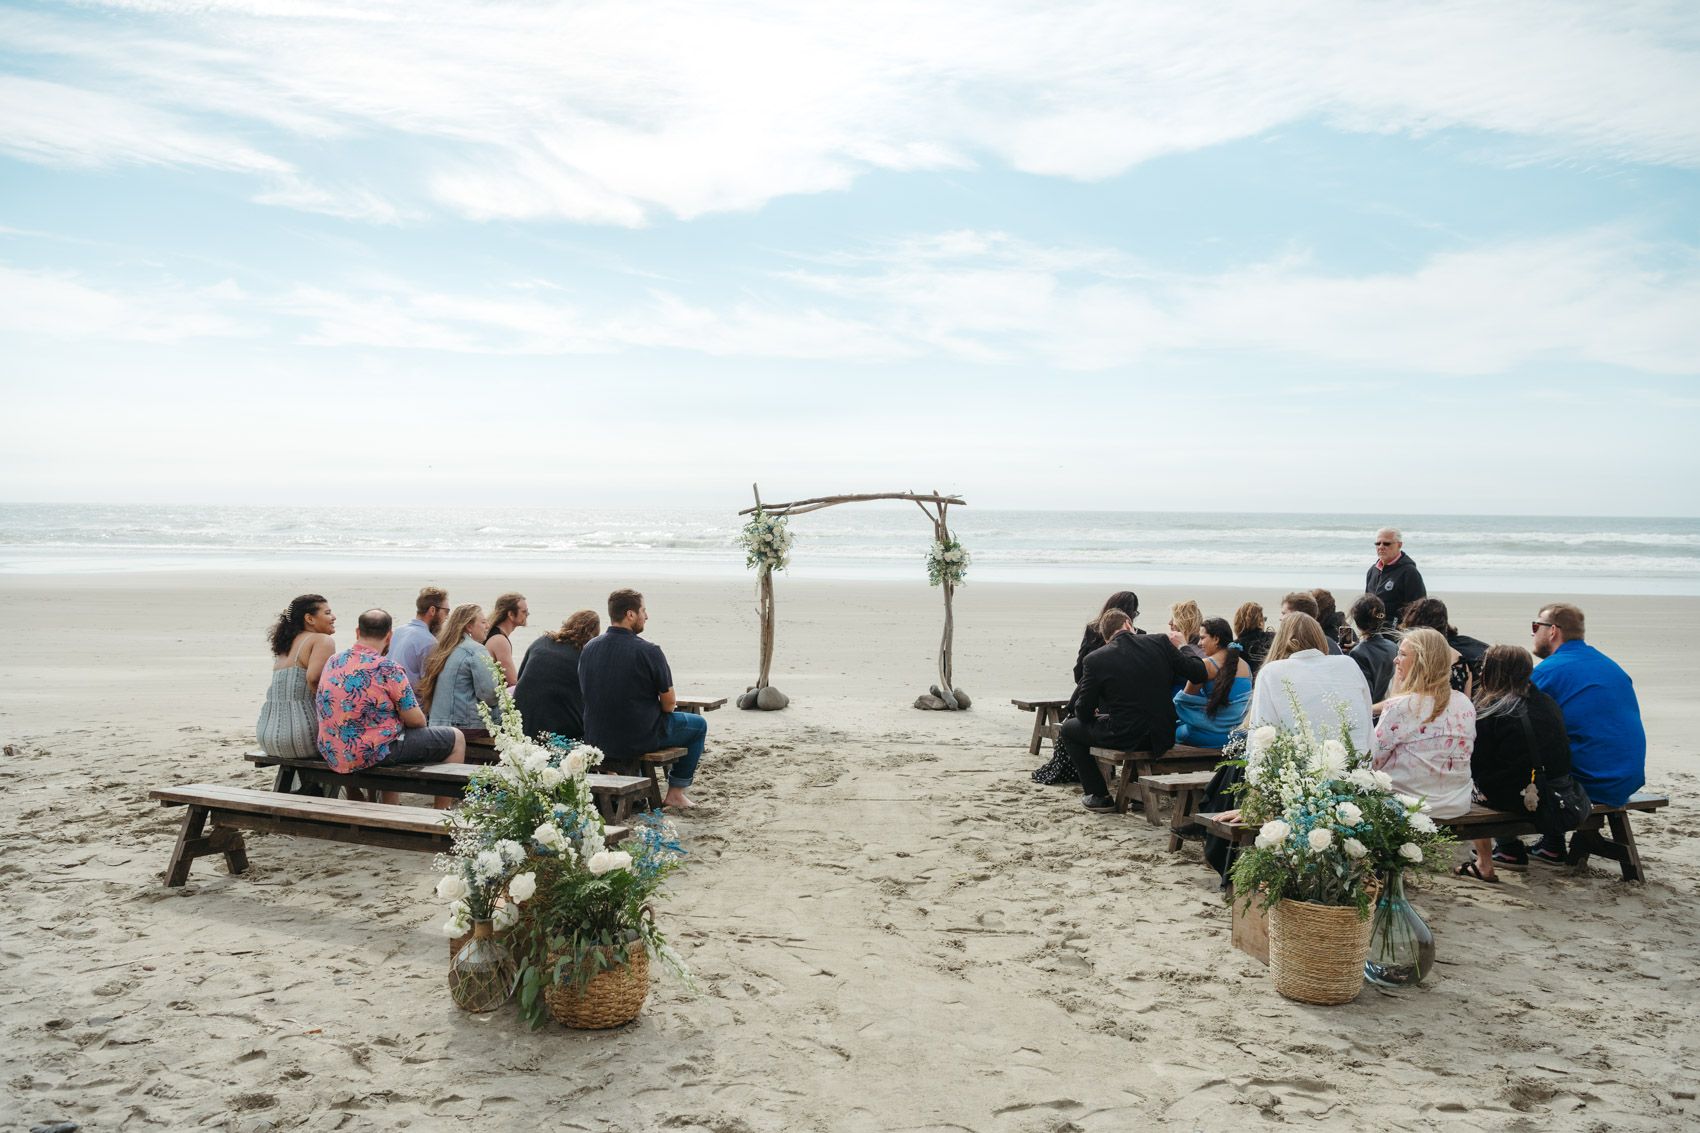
point(893, 928)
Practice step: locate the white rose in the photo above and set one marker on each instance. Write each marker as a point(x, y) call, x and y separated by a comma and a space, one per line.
point(1410, 802)
point(452, 887)
point(548, 835)
point(1423, 824)
point(1262, 738)
point(1349, 814)
point(454, 928)
point(1272, 833)
point(1320, 839)
point(1354, 848)
point(606, 861)
point(521, 888)
point(551, 777)
point(504, 916)
point(1411, 853)
point(576, 762)
point(512, 852)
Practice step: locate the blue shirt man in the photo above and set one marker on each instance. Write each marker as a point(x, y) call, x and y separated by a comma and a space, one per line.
point(1608, 744)
point(412, 643)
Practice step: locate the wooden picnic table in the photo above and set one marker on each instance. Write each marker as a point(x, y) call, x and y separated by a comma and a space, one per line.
point(697, 705)
point(1046, 714)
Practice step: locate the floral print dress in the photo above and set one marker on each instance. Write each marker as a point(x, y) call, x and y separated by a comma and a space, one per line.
point(1428, 758)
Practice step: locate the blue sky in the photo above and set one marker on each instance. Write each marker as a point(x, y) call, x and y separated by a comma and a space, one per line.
point(1295, 257)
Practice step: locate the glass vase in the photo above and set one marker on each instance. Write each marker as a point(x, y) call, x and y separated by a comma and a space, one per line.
point(1401, 947)
point(482, 974)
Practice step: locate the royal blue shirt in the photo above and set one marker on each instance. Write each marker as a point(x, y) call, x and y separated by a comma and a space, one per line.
point(1608, 745)
point(622, 677)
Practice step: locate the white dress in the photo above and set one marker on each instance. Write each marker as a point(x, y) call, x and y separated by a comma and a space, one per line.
point(1428, 758)
point(1324, 687)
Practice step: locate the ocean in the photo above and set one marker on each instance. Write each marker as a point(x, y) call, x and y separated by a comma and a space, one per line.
point(1588, 555)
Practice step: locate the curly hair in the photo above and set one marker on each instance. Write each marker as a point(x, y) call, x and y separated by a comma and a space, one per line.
point(292, 623)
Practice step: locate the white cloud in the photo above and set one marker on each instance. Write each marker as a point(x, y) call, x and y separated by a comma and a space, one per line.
point(57, 304)
point(616, 112)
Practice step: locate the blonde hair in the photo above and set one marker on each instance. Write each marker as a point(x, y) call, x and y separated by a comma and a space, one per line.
point(1430, 671)
point(454, 630)
point(1296, 633)
point(1188, 618)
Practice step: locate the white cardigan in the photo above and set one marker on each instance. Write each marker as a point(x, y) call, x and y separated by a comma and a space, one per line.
point(1322, 685)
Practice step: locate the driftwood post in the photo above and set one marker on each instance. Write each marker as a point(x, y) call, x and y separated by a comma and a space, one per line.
point(944, 695)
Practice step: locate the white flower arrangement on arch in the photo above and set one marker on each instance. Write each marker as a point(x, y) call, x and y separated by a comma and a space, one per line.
point(947, 563)
point(766, 540)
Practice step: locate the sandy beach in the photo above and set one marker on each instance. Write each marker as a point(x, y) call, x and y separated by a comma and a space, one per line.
point(891, 926)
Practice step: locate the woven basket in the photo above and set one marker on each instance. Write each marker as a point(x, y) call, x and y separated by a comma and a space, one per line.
point(613, 996)
point(1316, 952)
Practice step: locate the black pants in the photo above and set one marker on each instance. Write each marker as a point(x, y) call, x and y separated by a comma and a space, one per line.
point(1078, 738)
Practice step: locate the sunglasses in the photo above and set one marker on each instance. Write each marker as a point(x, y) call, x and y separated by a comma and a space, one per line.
point(1384, 542)
point(1535, 627)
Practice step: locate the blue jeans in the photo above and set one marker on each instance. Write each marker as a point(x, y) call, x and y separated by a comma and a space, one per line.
point(689, 731)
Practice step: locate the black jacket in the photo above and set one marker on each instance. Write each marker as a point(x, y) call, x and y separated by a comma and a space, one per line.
point(1254, 646)
point(1131, 682)
point(1471, 653)
point(1090, 642)
point(1397, 586)
point(547, 695)
point(1501, 762)
point(1374, 655)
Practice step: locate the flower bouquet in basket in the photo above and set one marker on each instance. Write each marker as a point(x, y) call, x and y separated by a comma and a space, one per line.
point(527, 826)
point(1330, 828)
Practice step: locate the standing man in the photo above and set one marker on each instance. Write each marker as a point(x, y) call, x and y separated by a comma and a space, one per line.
point(629, 698)
point(415, 639)
point(1125, 700)
point(1394, 578)
point(1608, 744)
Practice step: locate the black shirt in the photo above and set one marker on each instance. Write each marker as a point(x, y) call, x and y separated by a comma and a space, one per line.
point(547, 695)
point(622, 676)
point(1397, 585)
point(1374, 655)
point(1502, 764)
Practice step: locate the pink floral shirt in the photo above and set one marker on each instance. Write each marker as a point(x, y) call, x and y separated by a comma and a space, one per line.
point(1428, 758)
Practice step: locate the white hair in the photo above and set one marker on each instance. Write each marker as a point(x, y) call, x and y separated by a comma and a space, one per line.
point(1393, 531)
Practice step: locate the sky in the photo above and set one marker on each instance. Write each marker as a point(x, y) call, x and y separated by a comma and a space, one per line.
point(1297, 257)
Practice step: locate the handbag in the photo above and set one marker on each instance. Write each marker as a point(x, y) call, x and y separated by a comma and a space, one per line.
point(1561, 802)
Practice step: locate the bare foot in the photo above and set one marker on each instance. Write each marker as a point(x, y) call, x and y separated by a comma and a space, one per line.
point(676, 798)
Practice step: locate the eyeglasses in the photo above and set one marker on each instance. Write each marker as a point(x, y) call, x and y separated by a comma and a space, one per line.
point(1535, 627)
point(1384, 542)
point(445, 609)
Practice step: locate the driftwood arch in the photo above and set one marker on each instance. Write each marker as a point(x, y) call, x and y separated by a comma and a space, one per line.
point(935, 506)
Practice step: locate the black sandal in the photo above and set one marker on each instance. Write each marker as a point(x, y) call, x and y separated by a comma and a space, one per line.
point(1473, 872)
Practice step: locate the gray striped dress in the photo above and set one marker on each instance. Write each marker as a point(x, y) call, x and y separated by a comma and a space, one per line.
point(289, 727)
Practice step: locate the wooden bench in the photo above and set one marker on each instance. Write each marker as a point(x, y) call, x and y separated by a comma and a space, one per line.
point(697, 705)
point(1125, 771)
point(1186, 788)
point(617, 797)
point(1047, 715)
point(235, 809)
point(656, 765)
point(1484, 822)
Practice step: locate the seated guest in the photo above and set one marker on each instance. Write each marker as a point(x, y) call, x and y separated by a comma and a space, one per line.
point(629, 699)
point(510, 612)
point(1430, 613)
point(1207, 713)
point(415, 639)
point(1608, 744)
point(1329, 616)
point(1185, 618)
point(1125, 700)
point(1519, 728)
point(548, 696)
point(1427, 729)
point(301, 646)
point(1377, 645)
point(1304, 602)
point(368, 714)
point(457, 673)
point(1251, 635)
point(1324, 686)
point(1060, 769)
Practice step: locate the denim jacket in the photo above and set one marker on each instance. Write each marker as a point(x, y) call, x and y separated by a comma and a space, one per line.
point(465, 680)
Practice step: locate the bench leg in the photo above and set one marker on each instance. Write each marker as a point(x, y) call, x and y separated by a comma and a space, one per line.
point(285, 781)
point(1039, 718)
point(228, 841)
point(188, 837)
point(1180, 818)
point(1126, 787)
point(1620, 847)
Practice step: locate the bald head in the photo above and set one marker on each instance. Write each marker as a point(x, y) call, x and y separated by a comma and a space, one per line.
point(374, 625)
